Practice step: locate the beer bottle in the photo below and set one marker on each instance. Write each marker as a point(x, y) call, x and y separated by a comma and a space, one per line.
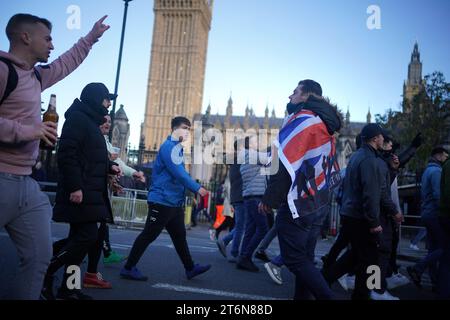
point(50, 115)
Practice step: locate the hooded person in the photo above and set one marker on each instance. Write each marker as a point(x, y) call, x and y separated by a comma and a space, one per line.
point(82, 195)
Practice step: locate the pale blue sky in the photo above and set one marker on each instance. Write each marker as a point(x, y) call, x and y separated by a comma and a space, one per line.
point(259, 50)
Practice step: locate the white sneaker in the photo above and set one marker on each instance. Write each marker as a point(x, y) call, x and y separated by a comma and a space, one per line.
point(274, 272)
point(414, 247)
point(343, 282)
point(385, 296)
point(351, 282)
point(212, 235)
point(397, 280)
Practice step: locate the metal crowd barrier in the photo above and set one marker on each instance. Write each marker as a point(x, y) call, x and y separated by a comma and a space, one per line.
point(130, 208)
point(406, 236)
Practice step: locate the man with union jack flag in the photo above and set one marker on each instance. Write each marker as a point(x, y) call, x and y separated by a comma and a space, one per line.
point(301, 189)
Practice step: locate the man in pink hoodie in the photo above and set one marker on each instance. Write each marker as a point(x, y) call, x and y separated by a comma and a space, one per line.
point(25, 210)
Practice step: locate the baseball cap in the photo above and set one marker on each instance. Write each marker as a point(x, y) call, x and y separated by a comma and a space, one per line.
point(372, 130)
point(96, 90)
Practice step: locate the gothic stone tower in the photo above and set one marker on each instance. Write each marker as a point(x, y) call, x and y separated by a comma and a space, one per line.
point(177, 66)
point(414, 84)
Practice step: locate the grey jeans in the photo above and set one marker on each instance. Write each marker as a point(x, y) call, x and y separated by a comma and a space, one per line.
point(25, 213)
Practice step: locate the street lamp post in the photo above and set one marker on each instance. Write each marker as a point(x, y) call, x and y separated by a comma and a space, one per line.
point(113, 111)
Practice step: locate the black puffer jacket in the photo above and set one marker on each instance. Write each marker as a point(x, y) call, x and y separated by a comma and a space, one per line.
point(83, 164)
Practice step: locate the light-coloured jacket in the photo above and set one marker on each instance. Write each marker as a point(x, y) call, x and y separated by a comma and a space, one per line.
point(127, 171)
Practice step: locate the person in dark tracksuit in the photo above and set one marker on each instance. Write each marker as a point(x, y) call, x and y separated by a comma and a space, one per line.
point(364, 185)
point(82, 195)
point(389, 217)
point(166, 204)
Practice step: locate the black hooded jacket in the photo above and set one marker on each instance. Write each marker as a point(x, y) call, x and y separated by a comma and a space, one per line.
point(280, 183)
point(83, 164)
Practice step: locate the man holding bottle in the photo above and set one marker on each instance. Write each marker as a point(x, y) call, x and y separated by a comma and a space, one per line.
point(26, 211)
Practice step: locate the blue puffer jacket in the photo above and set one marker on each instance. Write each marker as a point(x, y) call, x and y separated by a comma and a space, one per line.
point(169, 176)
point(431, 189)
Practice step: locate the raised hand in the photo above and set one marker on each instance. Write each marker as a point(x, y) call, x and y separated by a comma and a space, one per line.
point(99, 28)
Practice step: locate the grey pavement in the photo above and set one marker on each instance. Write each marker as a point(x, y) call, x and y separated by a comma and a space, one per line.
point(167, 280)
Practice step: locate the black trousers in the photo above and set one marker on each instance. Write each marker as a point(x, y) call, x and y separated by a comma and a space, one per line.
point(393, 267)
point(347, 263)
point(94, 251)
point(106, 243)
point(385, 249)
point(335, 268)
point(342, 242)
point(158, 218)
point(364, 248)
point(71, 251)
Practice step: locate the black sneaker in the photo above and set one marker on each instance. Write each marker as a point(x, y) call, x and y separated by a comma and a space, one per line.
point(47, 289)
point(261, 255)
point(66, 294)
point(324, 261)
point(246, 264)
point(415, 276)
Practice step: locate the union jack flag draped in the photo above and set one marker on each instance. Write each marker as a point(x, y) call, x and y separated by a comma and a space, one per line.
point(308, 152)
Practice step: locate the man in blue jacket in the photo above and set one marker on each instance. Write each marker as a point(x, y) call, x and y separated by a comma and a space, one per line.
point(430, 194)
point(165, 204)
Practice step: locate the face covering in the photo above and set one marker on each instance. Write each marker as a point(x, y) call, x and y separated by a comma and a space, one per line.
point(181, 135)
point(291, 108)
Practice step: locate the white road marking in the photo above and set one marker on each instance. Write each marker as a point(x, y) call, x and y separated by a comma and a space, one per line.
point(220, 293)
point(193, 248)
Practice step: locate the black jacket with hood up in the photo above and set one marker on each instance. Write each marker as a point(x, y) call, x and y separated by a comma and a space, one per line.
point(83, 164)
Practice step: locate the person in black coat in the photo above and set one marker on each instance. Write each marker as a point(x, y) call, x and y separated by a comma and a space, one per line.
point(82, 196)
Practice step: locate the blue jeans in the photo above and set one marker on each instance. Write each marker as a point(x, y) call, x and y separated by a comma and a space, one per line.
point(420, 235)
point(436, 241)
point(444, 263)
point(238, 230)
point(297, 240)
point(255, 227)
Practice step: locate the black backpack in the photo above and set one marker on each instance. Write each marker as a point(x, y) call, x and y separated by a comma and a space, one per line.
point(11, 82)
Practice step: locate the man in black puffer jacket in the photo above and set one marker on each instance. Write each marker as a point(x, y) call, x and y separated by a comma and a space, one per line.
point(82, 196)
